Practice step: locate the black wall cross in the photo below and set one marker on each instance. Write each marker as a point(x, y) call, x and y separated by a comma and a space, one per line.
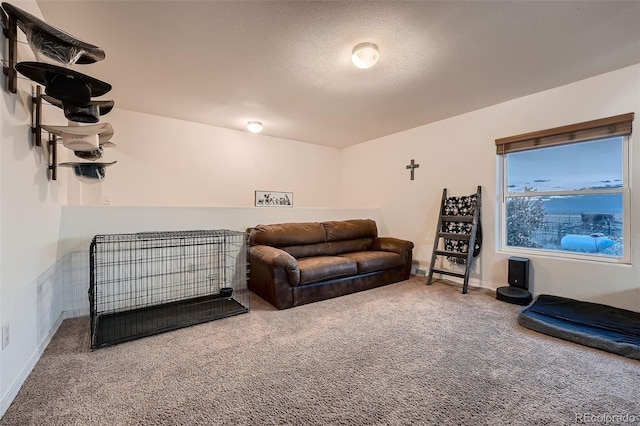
point(413, 166)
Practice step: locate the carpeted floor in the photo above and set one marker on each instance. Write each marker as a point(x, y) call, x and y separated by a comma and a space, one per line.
point(406, 353)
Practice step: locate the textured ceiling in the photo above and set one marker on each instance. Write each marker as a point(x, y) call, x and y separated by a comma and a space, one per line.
point(287, 63)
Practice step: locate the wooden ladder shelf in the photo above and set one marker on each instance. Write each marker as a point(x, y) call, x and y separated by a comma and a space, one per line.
point(470, 239)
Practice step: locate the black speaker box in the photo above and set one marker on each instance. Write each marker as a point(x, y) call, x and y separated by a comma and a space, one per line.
point(519, 272)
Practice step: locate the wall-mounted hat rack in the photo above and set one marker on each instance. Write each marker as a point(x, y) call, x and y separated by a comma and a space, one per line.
point(10, 31)
point(64, 88)
point(36, 132)
point(52, 157)
point(36, 116)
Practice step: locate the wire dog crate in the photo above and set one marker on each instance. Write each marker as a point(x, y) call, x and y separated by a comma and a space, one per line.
point(147, 283)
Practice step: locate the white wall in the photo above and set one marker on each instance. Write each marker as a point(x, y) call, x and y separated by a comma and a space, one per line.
point(168, 162)
point(30, 208)
point(459, 154)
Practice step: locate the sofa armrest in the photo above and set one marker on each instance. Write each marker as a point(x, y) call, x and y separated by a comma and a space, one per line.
point(272, 273)
point(395, 245)
point(402, 247)
point(277, 259)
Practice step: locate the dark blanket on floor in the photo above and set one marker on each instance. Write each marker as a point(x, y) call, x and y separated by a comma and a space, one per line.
point(591, 324)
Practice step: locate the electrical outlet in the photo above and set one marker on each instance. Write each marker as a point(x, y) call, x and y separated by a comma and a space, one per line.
point(422, 272)
point(5, 335)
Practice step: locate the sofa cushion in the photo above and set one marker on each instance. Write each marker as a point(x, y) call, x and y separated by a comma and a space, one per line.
point(350, 229)
point(371, 261)
point(349, 246)
point(309, 250)
point(322, 268)
point(287, 234)
point(329, 249)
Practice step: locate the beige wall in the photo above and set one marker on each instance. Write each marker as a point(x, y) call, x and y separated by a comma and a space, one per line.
point(168, 162)
point(459, 154)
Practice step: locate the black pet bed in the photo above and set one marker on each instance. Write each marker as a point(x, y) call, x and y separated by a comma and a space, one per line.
point(591, 324)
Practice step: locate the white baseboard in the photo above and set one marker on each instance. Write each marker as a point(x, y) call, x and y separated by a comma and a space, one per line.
point(75, 313)
point(473, 282)
point(8, 398)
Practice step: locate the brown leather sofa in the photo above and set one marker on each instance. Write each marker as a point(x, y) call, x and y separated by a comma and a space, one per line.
point(296, 263)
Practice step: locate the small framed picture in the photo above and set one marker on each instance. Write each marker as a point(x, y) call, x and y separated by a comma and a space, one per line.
point(274, 199)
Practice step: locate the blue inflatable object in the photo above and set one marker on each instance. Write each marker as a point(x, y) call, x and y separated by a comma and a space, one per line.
point(594, 243)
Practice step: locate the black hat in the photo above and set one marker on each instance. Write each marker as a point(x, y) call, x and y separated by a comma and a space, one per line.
point(63, 83)
point(89, 113)
point(53, 42)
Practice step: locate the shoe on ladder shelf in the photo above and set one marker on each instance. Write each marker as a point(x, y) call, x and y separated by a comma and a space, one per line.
point(458, 230)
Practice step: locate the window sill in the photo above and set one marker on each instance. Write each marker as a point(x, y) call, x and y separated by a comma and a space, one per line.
point(622, 261)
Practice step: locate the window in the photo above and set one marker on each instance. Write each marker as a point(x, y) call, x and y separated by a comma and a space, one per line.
point(565, 191)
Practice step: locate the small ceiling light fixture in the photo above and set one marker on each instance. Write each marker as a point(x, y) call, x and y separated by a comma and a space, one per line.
point(365, 55)
point(254, 126)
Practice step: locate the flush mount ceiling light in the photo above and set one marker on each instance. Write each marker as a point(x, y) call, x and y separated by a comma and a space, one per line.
point(254, 126)
point(365, 55)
